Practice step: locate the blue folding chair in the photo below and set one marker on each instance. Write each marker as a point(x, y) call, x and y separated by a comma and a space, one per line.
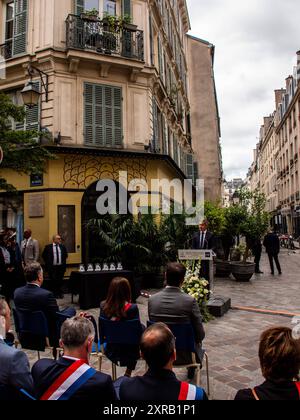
point(185, 342)
point(32, 330)
point(120, 333)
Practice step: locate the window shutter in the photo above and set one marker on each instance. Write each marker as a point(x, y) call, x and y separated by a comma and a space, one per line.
point(103, 115)
point(79, 7)
point(190, 166)
point(155, 125)
point(196, 173)
point(88, 114)
point(126, 7)
point(20, 27)
point(117, 120)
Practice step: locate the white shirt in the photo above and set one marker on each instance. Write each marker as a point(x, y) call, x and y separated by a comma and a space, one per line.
point(55, 262)
point(70, 358)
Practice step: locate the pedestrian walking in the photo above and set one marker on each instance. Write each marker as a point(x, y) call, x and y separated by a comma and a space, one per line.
point(272, 244)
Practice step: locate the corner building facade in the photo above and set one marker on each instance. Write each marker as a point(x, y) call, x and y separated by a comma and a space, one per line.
point(117, 101)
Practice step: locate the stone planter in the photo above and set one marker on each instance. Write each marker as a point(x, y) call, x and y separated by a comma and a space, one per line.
point(242, 272)
point(223, 268)
point(91, 18)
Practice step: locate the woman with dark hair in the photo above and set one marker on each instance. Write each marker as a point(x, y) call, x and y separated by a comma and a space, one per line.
point(118, 307)
point(279, 355)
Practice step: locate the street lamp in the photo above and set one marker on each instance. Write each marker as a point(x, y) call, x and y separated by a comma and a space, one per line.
point(31, 94)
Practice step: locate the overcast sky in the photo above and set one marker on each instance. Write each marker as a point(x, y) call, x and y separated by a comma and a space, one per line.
point(256, 43)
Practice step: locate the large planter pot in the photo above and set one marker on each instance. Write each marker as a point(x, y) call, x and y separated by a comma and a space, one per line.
point(223, 268)
point(242, 271)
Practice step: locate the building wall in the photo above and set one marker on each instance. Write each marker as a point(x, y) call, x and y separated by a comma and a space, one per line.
point(204, 116)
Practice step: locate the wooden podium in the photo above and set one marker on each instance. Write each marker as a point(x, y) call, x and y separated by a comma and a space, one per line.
point(200, 254)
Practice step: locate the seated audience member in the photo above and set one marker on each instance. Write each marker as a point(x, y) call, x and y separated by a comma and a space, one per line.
point(160, 382)
point(173, 306)
point(71, 377)
point(279, 355)
point(118, 307)
point(33, 298)
point(14, 371)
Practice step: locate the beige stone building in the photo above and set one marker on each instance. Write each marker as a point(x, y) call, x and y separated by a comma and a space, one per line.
point(288, 134)
point(277, 157)
point(268, 168)
point(115, 99)
point(205, 120)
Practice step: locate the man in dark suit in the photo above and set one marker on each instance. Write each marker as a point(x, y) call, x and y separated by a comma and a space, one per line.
point(77, 337)
point(55, 257)
point(33, 298)
point(15, 370)
point(160, 382)
point(272, 244)
point(172, 305)
point(204, 240)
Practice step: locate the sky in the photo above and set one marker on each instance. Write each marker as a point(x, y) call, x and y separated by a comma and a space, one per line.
point(256, 43)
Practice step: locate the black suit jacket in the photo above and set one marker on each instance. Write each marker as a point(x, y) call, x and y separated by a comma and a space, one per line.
point(272, 244)
point(98, 388)
point(209, 242)
point(159, 385)
point(48, 256)
point(34, 298)
point(171, 305)
point(271, 391)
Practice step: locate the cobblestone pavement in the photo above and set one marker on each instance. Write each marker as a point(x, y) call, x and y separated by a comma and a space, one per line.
point(232, 341)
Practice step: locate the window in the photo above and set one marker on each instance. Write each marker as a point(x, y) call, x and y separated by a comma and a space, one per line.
point(103, 115)
point(103, 6)
point(9, 23)
point(110, 7)
point(15, 27)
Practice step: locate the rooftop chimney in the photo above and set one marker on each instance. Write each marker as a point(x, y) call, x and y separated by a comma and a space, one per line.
point(278, 96)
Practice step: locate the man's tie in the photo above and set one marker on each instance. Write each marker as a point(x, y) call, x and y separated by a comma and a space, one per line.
point(57, 255)
point(201, 240)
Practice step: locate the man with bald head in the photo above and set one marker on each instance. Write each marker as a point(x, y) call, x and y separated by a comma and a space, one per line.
point(55, 256)
point(159, 383)
point(30, 249)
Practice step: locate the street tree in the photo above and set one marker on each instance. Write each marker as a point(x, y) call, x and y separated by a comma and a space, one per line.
point(21, 149)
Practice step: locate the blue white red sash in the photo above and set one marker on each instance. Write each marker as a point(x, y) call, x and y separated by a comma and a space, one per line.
point(298, 387)
point(190, 392)
point(69, 382)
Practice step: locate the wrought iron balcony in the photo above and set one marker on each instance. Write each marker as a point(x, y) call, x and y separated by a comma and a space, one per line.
point(97, 35)
point(6, 50)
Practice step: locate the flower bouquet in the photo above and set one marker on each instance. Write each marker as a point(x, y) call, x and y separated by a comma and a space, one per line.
point(197, 287)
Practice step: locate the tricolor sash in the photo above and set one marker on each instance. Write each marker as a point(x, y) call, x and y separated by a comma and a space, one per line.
point(69, 382)
point(298, 387)
point(190, 392)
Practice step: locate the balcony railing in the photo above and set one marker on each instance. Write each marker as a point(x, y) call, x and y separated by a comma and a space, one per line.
point(6, 50)
point(97, 35)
